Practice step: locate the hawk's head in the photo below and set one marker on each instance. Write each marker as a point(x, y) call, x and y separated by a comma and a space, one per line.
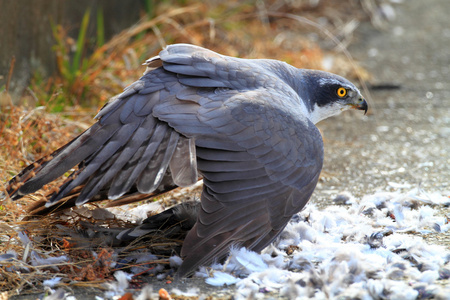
point(329, 94)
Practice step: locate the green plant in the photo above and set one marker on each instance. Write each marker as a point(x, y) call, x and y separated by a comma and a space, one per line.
point(75, 67)
point(100, 29)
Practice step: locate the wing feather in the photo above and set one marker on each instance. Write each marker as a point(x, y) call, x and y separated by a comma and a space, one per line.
point(107, 151)
point(153, 173)
point(183, 164)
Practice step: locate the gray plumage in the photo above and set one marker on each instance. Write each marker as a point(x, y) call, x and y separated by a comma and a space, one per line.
point(246, 125)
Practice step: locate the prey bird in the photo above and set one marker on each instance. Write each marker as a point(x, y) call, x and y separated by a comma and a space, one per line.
point(247, 126)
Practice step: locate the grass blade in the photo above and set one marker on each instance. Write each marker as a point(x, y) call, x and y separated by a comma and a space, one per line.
point(80, 42)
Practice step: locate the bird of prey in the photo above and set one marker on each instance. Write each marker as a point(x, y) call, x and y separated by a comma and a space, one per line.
point(247, 126)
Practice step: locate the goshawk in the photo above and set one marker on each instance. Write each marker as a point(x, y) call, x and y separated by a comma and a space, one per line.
point(247, 126)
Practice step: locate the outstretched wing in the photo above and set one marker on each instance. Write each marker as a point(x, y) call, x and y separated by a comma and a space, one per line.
point(237, 120)
point(127, 148)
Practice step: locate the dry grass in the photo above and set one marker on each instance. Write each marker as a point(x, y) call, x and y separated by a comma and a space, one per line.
point(235, 28)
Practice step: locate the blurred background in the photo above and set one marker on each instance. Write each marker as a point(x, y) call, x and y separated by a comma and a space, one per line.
point(77, 48)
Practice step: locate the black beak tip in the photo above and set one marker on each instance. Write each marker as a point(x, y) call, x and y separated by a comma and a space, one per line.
point(363, 106)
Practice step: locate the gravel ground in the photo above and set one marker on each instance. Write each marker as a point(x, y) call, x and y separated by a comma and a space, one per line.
point(404, 140)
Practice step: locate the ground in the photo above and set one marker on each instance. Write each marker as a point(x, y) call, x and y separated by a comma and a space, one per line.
point(403, 141)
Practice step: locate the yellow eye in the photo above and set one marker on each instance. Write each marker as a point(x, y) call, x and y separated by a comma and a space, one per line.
point(341, 92)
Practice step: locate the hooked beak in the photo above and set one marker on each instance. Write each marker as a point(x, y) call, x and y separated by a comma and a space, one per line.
point(361, 105)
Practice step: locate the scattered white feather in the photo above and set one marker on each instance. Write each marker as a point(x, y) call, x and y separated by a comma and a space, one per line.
point(429, 276)
point(247, 261)
point(9, 256)
point(136, 214)
point(400, 185)
point(24, 238)
point(37, 260)
point(58, 294)
point(364, 250)
point(144, 263)
point(52, 282)
point(192, 292)
point(119, 286)
point(147, 293)
point(344, 198)
point(175, 261)
point(221, 278)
